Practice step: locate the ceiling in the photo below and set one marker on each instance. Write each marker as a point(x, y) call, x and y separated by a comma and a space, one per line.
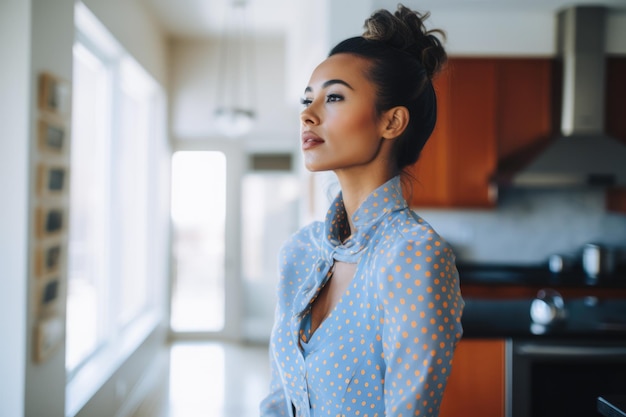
point(205, 18)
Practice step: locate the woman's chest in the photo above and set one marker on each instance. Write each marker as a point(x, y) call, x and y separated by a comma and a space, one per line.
point(331, 293)
point(354, 321)
point(347, 346)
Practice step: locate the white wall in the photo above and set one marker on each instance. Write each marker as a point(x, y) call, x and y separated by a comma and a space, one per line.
point(316, 26)
point(15, 78)
point(513, 28)
point(529, 225)
point(195, 68)
point(52, 38)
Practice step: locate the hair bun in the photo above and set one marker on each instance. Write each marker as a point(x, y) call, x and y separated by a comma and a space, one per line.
point(405, 30)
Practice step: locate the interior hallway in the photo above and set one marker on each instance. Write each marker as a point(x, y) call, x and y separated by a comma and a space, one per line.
point(208, 379)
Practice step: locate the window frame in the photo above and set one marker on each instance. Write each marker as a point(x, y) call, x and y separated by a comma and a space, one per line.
point(122, 336)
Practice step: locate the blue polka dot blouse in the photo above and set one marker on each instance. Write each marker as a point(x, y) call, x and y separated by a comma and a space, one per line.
point(386, 348)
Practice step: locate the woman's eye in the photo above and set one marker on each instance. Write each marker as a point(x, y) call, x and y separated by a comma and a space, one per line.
point(333, 97)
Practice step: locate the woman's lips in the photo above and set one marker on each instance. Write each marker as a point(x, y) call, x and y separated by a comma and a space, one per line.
point(310, 140)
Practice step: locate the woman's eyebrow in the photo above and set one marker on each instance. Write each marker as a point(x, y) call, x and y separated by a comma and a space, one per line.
point(329, 83)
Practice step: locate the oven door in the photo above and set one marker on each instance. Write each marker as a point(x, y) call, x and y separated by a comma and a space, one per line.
point(563, 377)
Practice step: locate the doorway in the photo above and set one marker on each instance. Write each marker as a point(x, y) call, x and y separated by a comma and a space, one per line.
point(205, 240)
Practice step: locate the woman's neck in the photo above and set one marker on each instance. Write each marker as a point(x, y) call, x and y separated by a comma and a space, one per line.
point(356, 187)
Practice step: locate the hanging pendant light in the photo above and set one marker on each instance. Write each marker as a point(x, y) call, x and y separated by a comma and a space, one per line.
point(234, 115)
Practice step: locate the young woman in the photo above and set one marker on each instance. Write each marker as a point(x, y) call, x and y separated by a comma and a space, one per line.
point(369, 309)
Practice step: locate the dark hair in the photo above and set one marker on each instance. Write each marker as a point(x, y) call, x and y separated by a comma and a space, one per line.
point(405, 56)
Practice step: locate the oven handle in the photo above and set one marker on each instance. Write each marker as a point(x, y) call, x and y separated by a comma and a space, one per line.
point(570, 351)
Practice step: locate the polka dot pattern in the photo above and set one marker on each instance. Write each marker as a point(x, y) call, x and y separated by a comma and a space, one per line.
point(386, 348)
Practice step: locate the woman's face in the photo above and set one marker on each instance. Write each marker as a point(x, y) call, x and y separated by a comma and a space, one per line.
point(339, 126)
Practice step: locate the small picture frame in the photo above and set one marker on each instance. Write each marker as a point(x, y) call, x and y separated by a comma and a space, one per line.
point(50, 221)
point(48, 295)
point(54, 94)
point(48, 336)
point(52, 137)
point(52, 180)
point(48, 258)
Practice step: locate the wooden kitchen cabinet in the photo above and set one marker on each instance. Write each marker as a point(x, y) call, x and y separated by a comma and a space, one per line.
point(615, 121)
point(616, 200)
point(488, 108)
point(616, 97)
point(455, 166)
point(525, 104)
point(476, 386)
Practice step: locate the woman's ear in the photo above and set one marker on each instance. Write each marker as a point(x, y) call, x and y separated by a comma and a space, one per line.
point(395, 121)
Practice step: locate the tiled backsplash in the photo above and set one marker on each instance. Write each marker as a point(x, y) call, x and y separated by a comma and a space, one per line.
point(528, 225)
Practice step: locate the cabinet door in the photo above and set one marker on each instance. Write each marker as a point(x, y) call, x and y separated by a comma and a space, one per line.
point(616, 97)
point(461, 155)
point(476, 384)
point(473, 154)
point(430, 173)
point(525, 116)
point(615, 120)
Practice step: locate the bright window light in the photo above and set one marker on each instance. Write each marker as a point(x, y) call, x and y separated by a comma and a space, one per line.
point(198, 241)
point(116, 110)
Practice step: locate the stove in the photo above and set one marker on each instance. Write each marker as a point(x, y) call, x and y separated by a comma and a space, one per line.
point(565, 335)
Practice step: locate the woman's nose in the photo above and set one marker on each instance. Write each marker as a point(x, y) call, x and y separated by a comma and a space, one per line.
point(308, 117)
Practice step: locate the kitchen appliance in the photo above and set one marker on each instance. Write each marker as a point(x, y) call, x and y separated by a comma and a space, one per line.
point(565, 336)
point(558, 263)
point(561, 352)
point(584, 154)
point(547, 309)
point(564, 378)
point(597, 260)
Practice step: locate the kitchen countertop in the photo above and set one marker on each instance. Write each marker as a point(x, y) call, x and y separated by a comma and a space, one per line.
point(511, 319)
point(498, 300)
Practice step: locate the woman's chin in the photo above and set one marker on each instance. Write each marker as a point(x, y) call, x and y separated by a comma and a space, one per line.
point(313, 166)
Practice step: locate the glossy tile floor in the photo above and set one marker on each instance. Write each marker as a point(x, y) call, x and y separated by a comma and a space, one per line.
point(209, 379)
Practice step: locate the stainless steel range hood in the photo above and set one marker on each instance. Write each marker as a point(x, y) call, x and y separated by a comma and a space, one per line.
point(583, 154)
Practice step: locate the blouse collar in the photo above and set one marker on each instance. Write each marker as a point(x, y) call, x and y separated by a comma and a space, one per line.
point(383, 200)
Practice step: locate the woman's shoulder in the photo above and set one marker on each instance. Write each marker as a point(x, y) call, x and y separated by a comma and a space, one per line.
point(407, 231)
point(297, 255)
point(413, 248)
point(301, 249)
point(304, 239)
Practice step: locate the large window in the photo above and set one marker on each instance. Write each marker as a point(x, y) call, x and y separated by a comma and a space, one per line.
point(117, 109)
point(88, 268)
